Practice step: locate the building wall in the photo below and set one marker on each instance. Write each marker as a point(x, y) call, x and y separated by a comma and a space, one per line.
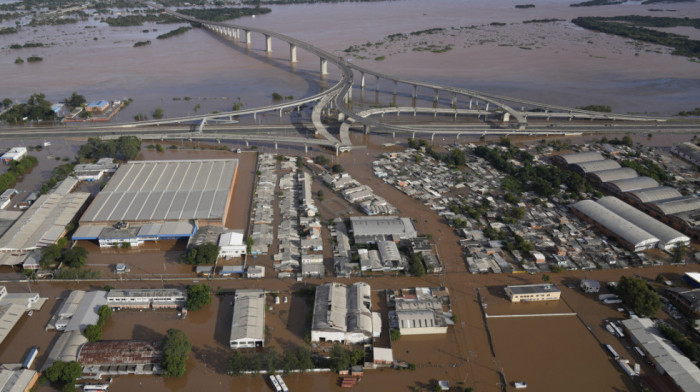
point(423, 330)
point(529, 297)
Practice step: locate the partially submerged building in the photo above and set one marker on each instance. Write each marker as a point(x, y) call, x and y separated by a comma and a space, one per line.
point(533, 292)
point(344, 314)
point(146, 298)
point(120, 357)
point(248, 323)
point(370, 229)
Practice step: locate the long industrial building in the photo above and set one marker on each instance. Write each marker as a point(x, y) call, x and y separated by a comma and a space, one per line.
point(248, 323)
point(156, 200)
point(628, 234)
point(43, 224)
point(370, 229)
point(344, 314)
point(668, 237)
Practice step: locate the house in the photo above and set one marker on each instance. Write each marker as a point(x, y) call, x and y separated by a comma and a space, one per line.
point(533, 292)
point(14, 154)
point(590, 286)
point(231, 244)
point(97, 106)
point(255, 272)
point(343, 314)
point(248, 322)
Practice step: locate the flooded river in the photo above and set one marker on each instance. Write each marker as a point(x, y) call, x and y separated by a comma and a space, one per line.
point(552, 62)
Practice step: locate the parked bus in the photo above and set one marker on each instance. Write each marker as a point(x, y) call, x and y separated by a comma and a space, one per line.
point(612, 351)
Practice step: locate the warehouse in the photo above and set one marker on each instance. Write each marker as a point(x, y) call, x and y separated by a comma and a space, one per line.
point(628, 234)
point(667, 358)
point(14, 154)
point(675, 206)
point(595, 166)
point(533, 292)
point(568, 159)
point(156, 200)
point(344, 314)
point(668, 237)
point(43, 224)
point(248, 323)
point(370, 229)
point(648, 195)
point(688, 151)
point(622, 173)
point(120, 357)
point(631, 184)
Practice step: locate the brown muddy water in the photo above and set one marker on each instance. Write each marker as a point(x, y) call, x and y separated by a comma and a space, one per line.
point(552, 62)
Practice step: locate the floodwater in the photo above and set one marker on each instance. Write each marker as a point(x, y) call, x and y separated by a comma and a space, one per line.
point(553, 62)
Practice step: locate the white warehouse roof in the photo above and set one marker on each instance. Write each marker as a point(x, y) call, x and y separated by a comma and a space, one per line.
point(608, 175)
point(594, 166)
point(614, 223)
point(666, 235)
point(248, 315)
point(582, 157)
point(677, 205)
point(655, 194)
point(632, 184)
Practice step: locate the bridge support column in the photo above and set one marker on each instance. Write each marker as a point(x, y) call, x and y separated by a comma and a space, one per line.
point(237, 34)
point(432, 137)
point(280, 113)
point(324, 66)
point(268, 44)
point(246, 143)
point(393, 135)
point(306, 148)
point(458, 136)
point(415, 91)
point(341, 116)
point(506, 117)
point(395, 86)
point(247, 37)
point(255, 116)
point(275, 146)
point(367, 129)
point(413, 136)
point(337, 150)
point(362, 80)
point(454, 100)
point(376, 85)
point(349, 95)
point(487, 106)
point(292, 53)
point(470, 103)
point(436, 96)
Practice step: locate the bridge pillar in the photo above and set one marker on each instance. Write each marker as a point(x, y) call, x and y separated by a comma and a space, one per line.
point(398, 112)
point(341, 116)
point(246, 143)
point(292, 53)
point(324, 66)
point(395, 86)
point(454, 99)
point(487, 106)
point(367, 129)
point(470, 103)
point(349, 96)
point(415, 91)
point(255, 117)
point(393, 135)
point(413, 136)
point(458, 136)
point(268, 43)
point(382, 115)
point(571, 118)
point(236, 33)
point(275, 146)
point(247, 37)
point(306, 148)
point(337, 150)
point(362, 80)
point(280, 113)
point(506, 117)
point(432, 136)
point(376, 85)
point(436, 95)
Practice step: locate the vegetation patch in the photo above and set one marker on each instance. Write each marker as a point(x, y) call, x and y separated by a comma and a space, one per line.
point(27, 45)
point(172, 33)
point(142, 43)
point(223, 14)
point(522, 6)
point(176, 350)
point(124, 148)
point(596, 108)
point(638, 296)
point(593, 3)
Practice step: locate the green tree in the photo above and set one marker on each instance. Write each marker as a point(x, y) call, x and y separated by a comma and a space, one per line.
point(104, 312)
point(304, 359)
point(75, 100)
point(395, 334)
point(75, 257)
point(337, 168)
point(49, 256)
point(176, 349)
point(7, 102)
point(679, 252)
point(64, 373)
point(93, 333)
point(416, 265)
point(237, 363)
point(198, 296)
point(158, 114)
point(206, 253)
point(638, 296)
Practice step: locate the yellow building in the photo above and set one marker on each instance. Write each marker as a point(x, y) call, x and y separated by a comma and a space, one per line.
point(533, 292)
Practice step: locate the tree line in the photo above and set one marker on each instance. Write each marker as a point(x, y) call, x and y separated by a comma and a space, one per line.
point(16, 171)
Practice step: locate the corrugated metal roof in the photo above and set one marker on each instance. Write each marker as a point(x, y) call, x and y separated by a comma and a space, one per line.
point(165, 190)
point(582, 157)
point(614, 174)
point(632, 184)
point(655, 194)
point(678, 205)
point(595, 166)
point(664, 233)
point(248, 320)
point(86, 232)
point(615, 223)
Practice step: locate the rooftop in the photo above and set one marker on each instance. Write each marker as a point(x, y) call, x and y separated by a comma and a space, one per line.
point(165, 190)
point(119, 352)
point(534, 288)
point(248, 315)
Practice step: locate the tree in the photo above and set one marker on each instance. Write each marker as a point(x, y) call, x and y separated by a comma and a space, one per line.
point(64, 373)
point(75, 257)
point(395, 334)
point(679, 252)
point(158, 113)
point(304, 359)
point(105, 312)
point(416, 265)
point(176, 349)
point(198, 296)
point(206, 253)
point(49, 256)
point(93, 333)
point(337, 168)
point(237, 363)
point(7, 102)
point(75, 100)
point(249, 242)
point(638, 296)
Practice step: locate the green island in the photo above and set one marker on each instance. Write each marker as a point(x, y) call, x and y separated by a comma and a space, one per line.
point(633, 26)
point(645, 2)
point(223, 14)
point(543, 20)
point(27, 45)
point(596, 108)
point(10, 16)
point(141, 43)
point(8, 30)
point(593, 3)
point(172, 33)
point(138, 20)
point(34, 59)
point(524, 6)
point(37, 108)
point(694, 112)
